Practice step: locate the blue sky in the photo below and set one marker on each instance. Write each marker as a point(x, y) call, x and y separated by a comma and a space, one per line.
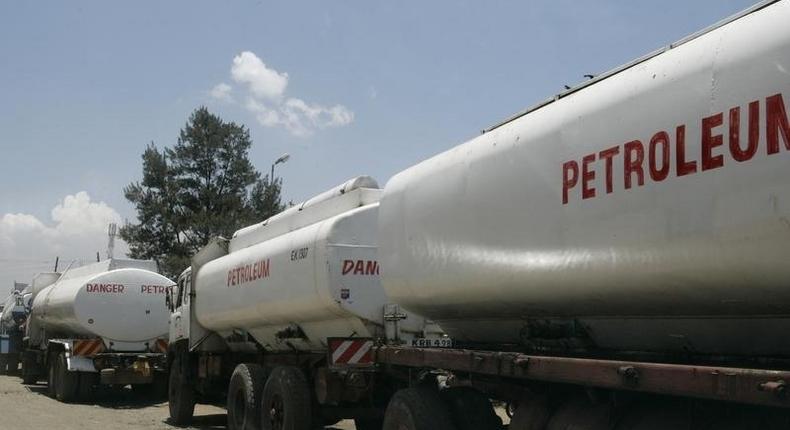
point(85, 85)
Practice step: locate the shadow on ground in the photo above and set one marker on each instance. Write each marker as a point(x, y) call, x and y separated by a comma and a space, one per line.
point(111, 398)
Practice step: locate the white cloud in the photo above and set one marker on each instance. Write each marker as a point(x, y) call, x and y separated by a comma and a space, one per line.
point(266, 99)
point(222, 92)
point(300, 118)
point(77, 230)
point(264, 82)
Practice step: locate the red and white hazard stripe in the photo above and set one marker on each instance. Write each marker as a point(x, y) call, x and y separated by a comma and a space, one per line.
point(87, 348)
point(351, 351)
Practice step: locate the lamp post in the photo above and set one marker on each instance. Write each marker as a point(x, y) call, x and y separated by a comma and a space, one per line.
point(283, 158)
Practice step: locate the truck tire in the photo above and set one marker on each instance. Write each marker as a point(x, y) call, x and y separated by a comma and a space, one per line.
point(287, 402)
point(180, 396)
point(3, 364)
point(531, 413)
point(52, 375)
point(67, 382)
point(86, 382)
point(13, 364)
point(417, 408)
point(470, 409)
point(244, 397)
point(368, 424)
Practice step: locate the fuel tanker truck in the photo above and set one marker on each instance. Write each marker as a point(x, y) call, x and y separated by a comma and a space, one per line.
point(99, 324)
point(615, 257)
point(13, 316)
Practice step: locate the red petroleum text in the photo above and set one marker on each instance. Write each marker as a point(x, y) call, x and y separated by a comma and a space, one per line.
point(248, 272)
point(722, 142)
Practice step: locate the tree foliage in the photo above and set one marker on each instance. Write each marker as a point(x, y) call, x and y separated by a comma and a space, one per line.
point(204, 186)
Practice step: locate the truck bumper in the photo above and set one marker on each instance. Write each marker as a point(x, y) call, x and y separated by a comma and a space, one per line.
point(124, 369)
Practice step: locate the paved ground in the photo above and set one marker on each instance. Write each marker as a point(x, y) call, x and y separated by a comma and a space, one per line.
point(28, 407)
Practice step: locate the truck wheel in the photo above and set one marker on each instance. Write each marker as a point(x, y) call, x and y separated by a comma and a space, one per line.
point(52, 375)
point(13, 365)
point(470, 409)
point(86, 382)
point(368, 424)
point(287, 404)
point(244, 392)
point(3, 364)
point(531, 413)
point(180, 396)
point(28, 378)
point(68, 382)
point(417, 409)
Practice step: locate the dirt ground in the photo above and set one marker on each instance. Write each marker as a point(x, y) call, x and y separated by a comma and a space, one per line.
point(25, 407)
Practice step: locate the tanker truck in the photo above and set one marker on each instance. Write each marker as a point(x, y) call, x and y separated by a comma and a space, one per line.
point(99, 324)
point(254, 317)
point(612, 258)
point(13, 316)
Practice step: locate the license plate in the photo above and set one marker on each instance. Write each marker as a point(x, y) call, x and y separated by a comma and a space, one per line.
point(441, 342)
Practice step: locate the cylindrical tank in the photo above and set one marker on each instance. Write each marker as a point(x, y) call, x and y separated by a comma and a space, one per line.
point(294, 290)
point(646, 211)
point(123, 306)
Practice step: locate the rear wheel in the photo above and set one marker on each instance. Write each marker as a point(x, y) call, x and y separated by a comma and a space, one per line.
point(368, 423)
point(470, 409)
point(3, 364)
point(287, 403)
point(87, 381)
point(13, 364)
point(244, 397)
point(417, 409)
point(531, 413)
point(67, 382)
point(180, 396)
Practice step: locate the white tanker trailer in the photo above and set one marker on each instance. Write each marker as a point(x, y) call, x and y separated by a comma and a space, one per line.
point(614, 258)
point(103, 323)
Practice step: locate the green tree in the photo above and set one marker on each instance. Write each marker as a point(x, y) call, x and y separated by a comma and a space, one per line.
point(204, 186)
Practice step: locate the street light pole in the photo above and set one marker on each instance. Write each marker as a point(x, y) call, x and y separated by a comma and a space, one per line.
point(283, 158)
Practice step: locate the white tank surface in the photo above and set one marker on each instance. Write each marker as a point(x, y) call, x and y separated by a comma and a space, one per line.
point(646, 210)
point(120, 301)
point(314, 276)
point(43, 280)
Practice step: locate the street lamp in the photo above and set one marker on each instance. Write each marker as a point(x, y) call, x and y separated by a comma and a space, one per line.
point(283, 158)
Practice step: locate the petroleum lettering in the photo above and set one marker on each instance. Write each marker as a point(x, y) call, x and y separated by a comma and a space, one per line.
point(683, 167)
point(360, 267)
point(634, 156)
point(659, 174)
point(777, 123)
point(153, 289)
point(587, 177)
point(608, 155)
point(711, 141)
point(248, 273)
point(105, 288)
point(652, 161)
point(568, 182)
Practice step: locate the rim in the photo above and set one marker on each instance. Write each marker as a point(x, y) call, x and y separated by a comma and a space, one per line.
point(239, 409)
point(276, 411)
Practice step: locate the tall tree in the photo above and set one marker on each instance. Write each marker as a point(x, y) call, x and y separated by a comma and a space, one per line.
point(202, 187)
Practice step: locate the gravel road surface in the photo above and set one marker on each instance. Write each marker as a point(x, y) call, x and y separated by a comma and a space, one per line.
point(25, 407)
